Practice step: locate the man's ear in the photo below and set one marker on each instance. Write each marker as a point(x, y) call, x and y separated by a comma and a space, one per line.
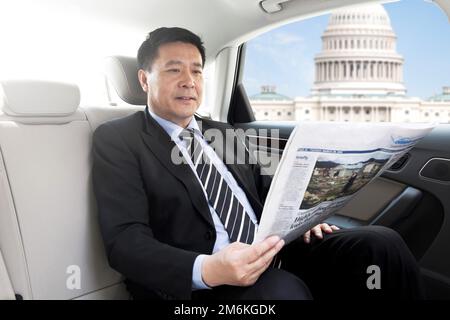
point(143, 79)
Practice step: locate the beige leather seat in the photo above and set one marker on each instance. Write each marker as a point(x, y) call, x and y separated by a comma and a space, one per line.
point(48, 223)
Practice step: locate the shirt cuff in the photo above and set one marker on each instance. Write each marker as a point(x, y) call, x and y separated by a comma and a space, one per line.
point(197, 281)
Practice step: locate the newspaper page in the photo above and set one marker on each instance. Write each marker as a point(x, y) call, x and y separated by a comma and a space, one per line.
point(324, 165)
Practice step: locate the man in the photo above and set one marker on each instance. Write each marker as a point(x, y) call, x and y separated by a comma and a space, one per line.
point(164, 223)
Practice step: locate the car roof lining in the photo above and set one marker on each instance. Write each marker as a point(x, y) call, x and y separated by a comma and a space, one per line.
point(248, 19)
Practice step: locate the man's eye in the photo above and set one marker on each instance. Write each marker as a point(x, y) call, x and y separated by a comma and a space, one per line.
point(174, 70)
point(198, 71)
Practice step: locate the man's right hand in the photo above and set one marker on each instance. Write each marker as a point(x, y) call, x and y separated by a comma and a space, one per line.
point(240, 264)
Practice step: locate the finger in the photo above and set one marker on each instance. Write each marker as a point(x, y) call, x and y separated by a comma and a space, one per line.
point(259, 249)
point(253, 276)
point(325, 227)
point(257, 273)
point(266, 258)
point(335, 227)
point(307, 236)
point(317, 231)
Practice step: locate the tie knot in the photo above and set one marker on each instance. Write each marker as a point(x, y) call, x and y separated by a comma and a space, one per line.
point(187, 134)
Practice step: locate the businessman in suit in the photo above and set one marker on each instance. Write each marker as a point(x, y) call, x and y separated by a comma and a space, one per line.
point(184, 229)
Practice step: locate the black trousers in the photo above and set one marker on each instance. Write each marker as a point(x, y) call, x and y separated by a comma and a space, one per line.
point(369, 262)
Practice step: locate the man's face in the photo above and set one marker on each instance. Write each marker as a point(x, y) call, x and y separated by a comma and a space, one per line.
point(175, 83)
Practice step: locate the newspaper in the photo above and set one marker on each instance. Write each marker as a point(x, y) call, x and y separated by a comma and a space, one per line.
point(324, 165)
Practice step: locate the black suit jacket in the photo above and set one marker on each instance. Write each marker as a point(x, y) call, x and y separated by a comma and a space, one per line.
point(154, 217)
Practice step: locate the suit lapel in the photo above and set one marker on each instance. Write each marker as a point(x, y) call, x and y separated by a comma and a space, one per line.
point(160, 144)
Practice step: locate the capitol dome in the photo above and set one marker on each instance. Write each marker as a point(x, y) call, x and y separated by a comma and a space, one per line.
point(359, 54)
point(366, 15)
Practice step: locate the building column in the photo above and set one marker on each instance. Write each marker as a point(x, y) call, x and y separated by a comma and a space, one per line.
point(364, 75)
point(375, 73)
point(317, 71)
point(397, 71)
point(321, 72)
point(347, 70)
point(336, 70)
point(358, 69)
point(385, 70)
point(340, 70)
point(353, 69)
point(372, 70)
point(394, 71)
point(365, 68)
point(382, 73)
point(349, 74)
point(330, 72)
point(345, 66)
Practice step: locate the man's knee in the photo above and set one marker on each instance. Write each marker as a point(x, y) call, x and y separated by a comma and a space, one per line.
point(382, 245)
point(381, 238)
point(278, 284)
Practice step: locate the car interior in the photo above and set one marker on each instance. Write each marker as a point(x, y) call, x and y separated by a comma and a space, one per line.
point(48, 220)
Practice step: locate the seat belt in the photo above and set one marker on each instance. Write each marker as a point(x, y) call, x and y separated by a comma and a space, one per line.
point(6, 289)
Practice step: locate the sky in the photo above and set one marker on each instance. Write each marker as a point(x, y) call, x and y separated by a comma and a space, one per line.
point(284, 57)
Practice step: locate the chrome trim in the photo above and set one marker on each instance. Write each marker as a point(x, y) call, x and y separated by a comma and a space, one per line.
point(430, 179)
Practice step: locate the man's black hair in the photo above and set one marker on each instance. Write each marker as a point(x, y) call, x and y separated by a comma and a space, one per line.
point(148, 51)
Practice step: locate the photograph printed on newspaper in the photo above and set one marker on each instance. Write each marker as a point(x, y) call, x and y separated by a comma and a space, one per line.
point(324, 165)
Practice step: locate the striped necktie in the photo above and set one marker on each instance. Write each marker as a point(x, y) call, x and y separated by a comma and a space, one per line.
point(231, 212)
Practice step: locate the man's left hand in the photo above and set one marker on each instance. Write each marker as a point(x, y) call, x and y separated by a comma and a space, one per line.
point(317, 231)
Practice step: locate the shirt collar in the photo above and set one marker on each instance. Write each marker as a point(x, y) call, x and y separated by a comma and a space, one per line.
point(172, 129)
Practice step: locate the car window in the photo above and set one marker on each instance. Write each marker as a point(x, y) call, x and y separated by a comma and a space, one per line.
point(370, 63)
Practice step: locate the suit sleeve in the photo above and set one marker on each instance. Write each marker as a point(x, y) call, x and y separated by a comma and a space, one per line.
point(123, 210)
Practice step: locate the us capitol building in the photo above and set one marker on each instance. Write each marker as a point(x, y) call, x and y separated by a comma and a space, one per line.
point(358, 77)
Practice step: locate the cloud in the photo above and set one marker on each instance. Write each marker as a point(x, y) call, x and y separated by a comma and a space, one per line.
point(288, 38)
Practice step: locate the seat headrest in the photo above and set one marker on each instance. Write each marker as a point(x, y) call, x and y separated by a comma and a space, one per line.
point(122, 73)
point(29, 98)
